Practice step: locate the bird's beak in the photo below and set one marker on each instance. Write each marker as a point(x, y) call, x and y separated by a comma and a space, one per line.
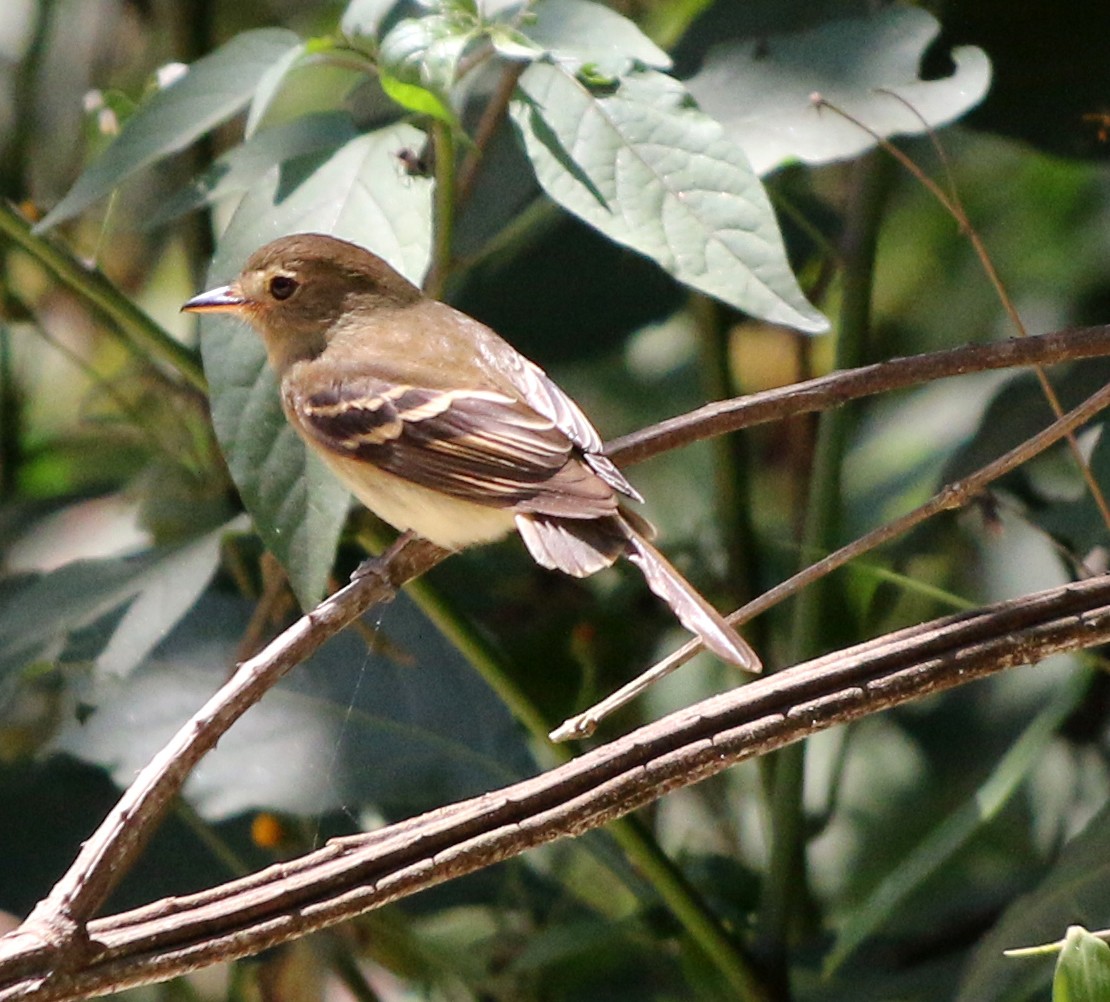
point(225, 299)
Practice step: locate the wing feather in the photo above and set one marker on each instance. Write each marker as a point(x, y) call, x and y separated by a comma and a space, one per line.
point(478, 445)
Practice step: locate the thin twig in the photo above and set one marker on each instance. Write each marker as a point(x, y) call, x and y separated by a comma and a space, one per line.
point(492, 116)
point(953, 204)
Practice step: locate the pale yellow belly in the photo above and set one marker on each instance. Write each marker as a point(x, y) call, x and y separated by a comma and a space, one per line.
point(440, 518)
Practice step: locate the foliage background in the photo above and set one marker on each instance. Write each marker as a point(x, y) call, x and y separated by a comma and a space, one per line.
point(929, 839)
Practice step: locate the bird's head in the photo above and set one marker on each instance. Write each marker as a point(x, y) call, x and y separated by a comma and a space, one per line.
point(298, 290)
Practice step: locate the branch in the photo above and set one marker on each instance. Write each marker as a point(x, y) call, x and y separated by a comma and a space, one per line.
point(840, 387)
point(350, 876)
point(950, 497)
point(58, 922)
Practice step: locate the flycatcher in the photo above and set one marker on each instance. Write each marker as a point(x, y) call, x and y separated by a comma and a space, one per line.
point(439, 426)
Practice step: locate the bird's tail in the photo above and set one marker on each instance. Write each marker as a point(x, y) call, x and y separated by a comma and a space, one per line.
point(582, 546)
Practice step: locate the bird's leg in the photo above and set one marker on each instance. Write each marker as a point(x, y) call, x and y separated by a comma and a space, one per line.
point(379, 565)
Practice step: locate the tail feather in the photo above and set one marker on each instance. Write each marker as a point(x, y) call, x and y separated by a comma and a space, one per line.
point(692, 610)
point(581, 547)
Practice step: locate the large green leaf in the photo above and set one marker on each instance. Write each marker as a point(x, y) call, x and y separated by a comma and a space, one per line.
point(41, 613)
point(214, 89)
point(360, 194)
point(347, 729)
point(954, 831)
point(244, 165)
point(761, 88)
point(425, 51)
point(642, 164)
point(364, 18)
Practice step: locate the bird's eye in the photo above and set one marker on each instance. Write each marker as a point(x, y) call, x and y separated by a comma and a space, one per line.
point(282, 286)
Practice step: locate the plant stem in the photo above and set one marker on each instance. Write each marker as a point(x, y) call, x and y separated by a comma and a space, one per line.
point(786, 893)
point(138, 331)
point(731, 462)
point(443, 140)
point(690, 909)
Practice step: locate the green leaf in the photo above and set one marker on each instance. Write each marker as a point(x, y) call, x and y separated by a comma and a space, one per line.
point(413, 97)
point(419, 59)
point(169, 591)
point(306, 747)
point(942, 843)
point(761, 88)
point(215, 88)
point(269, 86)
point(644, 166)
point(1075, 890)
point(39, 614)
point(578, 33)
point(1083, 969)
point(1079, 522)
point(316, 79)
point(425, 50)
point(243, 166)
point(514, 44)
point(360, 194)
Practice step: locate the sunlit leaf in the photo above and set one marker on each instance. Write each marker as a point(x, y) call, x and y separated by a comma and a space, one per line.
point(269, 86)
point(577, 33)
point(1083, 968)
point(419, 58)
point(364, 18)
point(40, 613)
point(413, 97)
point(642, 164)
point(243, 166)
point(762, 88)
point(215, 88)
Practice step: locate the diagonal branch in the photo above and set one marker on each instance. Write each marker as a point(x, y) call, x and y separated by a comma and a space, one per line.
point(352, 875)
point(58, 920)
point(839, 387)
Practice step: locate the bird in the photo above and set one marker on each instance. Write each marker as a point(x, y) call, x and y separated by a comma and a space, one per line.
point(439, 426)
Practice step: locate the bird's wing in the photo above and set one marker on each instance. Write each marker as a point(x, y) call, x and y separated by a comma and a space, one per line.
point(545, 396)
point(479, 445)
